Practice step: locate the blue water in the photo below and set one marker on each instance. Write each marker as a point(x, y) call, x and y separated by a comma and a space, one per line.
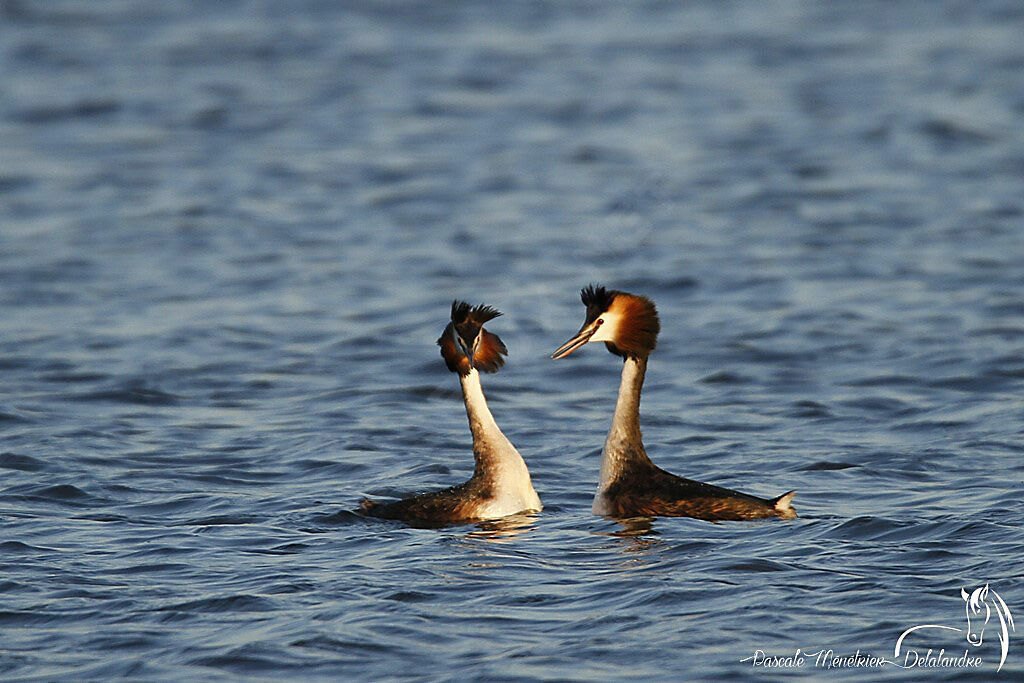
point(230, 233)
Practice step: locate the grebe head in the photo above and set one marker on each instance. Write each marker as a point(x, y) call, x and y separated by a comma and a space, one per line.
point(626, 323)
point(465, 344)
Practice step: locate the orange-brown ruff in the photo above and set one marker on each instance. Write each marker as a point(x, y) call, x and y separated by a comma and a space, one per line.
point(500, 484)
point(631, 485)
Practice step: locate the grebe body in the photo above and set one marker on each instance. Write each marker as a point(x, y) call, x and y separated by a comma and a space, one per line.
point(630, 484)
point(500, 484)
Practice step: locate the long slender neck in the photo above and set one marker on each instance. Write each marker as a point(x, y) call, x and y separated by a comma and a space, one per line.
point(624, 445)
point(491, 448)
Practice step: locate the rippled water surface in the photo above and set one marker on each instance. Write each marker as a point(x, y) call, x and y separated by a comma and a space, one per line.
point(230, 233)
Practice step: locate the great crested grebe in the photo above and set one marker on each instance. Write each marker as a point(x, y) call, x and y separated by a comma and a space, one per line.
point(500, 484)
point(631, 485)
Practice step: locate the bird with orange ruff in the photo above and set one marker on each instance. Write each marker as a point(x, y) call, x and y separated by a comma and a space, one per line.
point(630, 484)
point(500, 484)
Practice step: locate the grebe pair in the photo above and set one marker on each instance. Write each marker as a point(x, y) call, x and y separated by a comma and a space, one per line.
point(630, 484)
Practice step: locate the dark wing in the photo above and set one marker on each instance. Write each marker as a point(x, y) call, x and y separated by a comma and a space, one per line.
point(661, 493)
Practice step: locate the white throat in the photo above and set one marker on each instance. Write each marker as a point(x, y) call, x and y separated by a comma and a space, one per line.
point(497, 460)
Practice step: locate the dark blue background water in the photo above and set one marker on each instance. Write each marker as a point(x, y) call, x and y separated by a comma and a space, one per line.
point(230, 233)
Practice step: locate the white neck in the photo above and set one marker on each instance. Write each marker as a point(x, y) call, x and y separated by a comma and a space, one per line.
point(624, 445)
point(497, 460)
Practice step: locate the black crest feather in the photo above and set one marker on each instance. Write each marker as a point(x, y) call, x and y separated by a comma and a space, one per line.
point(460, 311)
point(597, 299)
point(483, 313)
point(594, 295)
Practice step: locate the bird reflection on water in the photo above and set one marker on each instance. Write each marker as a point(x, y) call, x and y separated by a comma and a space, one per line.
point(504, 529)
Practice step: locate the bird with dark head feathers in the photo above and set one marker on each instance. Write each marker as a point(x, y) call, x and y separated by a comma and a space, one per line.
point(500, 485)
point(631, 485)
point(627, 323)
point(466, 345)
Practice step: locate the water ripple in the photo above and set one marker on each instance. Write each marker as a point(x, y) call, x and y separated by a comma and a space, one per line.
point(230, 240)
